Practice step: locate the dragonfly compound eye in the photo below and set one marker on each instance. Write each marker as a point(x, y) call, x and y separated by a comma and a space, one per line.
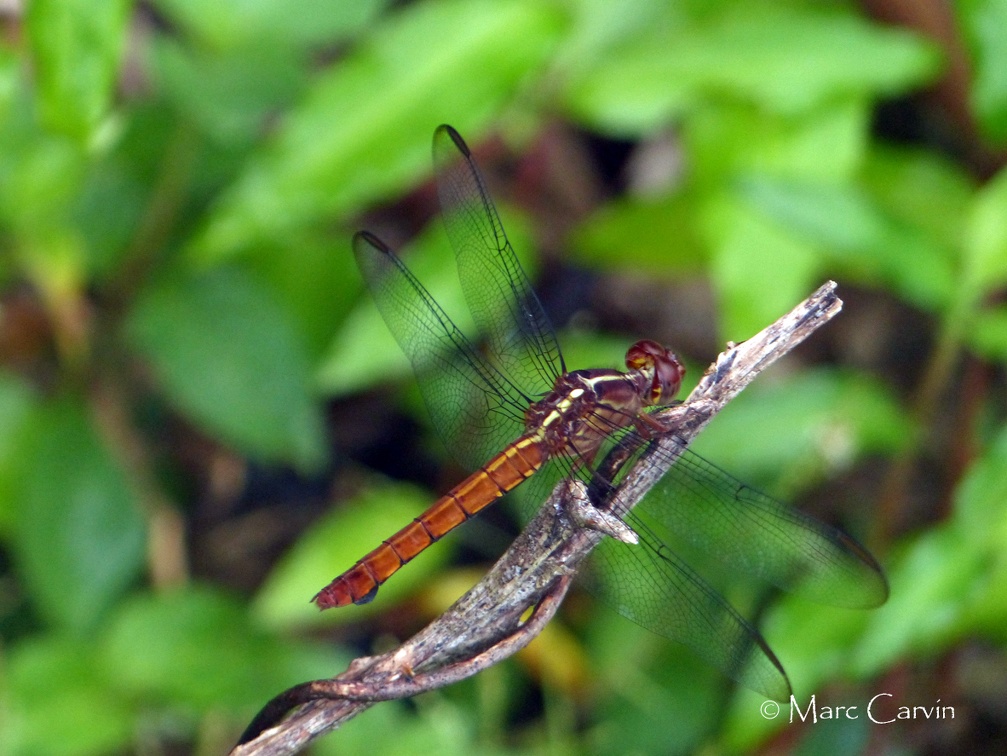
point(661, 364)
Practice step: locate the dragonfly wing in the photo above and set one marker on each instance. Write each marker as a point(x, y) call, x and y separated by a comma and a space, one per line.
point(753, 534)
point(650, 585)
point(475, 409)
point(508, 313)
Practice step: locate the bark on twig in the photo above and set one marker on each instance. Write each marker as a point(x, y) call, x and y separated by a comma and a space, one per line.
point(485, 626)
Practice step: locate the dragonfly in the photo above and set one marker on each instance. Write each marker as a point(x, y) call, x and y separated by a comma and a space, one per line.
point(507, 406)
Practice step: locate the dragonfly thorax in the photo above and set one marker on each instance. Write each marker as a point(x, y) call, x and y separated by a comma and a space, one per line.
point(585, 406)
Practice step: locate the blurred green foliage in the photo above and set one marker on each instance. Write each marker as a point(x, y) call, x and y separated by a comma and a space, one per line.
point(179, 181)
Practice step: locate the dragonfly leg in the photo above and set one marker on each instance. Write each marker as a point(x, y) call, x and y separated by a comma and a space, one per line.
point(587, 515)
point(648, 427)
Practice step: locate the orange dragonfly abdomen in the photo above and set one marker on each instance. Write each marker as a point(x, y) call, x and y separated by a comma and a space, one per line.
point(515, 464)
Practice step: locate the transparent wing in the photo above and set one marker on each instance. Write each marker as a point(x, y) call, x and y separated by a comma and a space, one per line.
point(651, 586)
point(753, 534)
point(509, 316)
point(697, 504)
point(475, 408)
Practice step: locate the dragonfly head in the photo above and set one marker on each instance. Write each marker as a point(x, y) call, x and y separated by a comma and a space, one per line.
point(659, 366)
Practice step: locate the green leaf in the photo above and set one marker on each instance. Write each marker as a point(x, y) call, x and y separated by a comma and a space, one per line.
point(106, 211)
point(985, 260)
point(58, 701)
point(16, 404)
point(725, 140)
point(196, 648)
point(987, 615)
point(40, 175)
point(657, 235)
point(314, 277)
point(984, 24)
point(759, 269)
point(80, 535)
point(230, 358)
point(333, 545)
point(229, 96)
point(851, 231)
point(600, 26)
point(226, 24)
point(442, 725)
point(11, 81)
point(792, 431)
point(927, 608)
point(76, 45)
point(922, 190)
point(364, 131)
point(987, 334)
point(644, 681)
point(980, 517)
point(979, 498)
point(786, 60)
